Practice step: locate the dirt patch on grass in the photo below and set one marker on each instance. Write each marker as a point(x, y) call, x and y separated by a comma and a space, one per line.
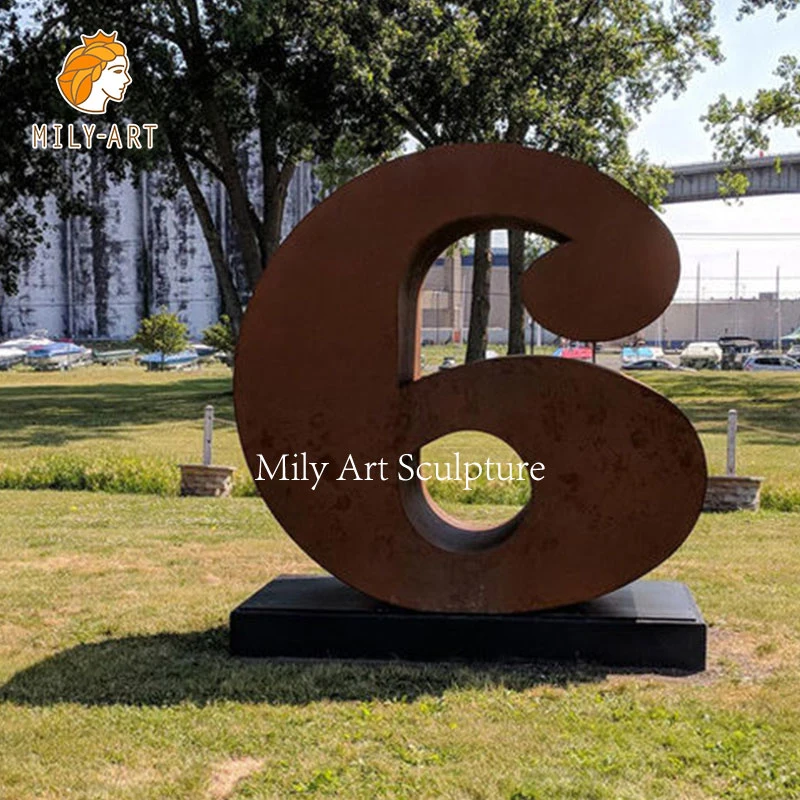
point(747, 656)
point(226, 775)
point(744, 657)
point(84, 564)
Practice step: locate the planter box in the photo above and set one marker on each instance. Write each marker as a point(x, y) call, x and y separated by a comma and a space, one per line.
point(726, 493)
point(201, 481)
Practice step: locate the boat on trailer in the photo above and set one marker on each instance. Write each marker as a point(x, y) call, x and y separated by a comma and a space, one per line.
point(58, 355)
point(10, 356)
point(114, 356)
point(204, 351)
point(159, 361)
point(36, 339)
point(14, 351)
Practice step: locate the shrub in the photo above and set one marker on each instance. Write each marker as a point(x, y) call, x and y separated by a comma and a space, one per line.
point(481, 492)
point(220, 335)
point(103, 473)
point(780, 498)
point(244, 485)
point(162, 333)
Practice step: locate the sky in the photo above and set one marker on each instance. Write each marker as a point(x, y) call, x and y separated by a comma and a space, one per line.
point(764, 230)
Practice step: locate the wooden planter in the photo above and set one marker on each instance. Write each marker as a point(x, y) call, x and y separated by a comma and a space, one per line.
point(201, 481)
point(725, 493)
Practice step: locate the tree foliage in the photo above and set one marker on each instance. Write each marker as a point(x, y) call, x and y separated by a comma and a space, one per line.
point(566, 76)
point(282, 80)
point(740, 127)
point(221, 335)
point(162, 333)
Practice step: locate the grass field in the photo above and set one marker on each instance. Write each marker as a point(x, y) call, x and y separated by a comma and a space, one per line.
point(115, 680)
point(112, 414)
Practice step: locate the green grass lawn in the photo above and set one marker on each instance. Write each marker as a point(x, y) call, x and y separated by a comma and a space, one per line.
point(118, 410)
point(115, 680)
point(151, 422)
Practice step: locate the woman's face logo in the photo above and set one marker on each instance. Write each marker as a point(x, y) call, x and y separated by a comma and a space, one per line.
point(114, 79)
point(94, 73)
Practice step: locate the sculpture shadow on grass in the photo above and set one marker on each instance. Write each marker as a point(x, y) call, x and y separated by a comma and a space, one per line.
point(172, 668)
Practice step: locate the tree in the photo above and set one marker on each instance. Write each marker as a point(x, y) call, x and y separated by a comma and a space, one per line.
point(282, 77)
point(480, 305)
point(221, 335)
point(739, 127)
point(162, 333)
point(567, 76)
point(289, 79)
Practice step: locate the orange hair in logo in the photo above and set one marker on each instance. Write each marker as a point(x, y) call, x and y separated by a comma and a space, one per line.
point(83, 66)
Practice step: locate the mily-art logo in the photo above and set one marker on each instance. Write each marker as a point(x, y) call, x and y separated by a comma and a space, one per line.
point(94, 73)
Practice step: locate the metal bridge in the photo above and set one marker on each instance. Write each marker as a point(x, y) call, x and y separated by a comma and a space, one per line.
point(699, 181)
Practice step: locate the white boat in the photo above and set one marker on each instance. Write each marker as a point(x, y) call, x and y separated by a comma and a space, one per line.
point(13, 351)
point(10, 356)
point(36, 339)
point(58, 355)
point(204, 352)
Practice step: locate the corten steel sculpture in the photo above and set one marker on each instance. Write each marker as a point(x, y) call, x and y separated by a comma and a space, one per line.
point(328, 359)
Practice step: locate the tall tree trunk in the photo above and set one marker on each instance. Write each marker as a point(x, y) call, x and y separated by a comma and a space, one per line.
point(274, 203)
point(516, 310)
point(276, 176)
point(195, 52)
point(100, 265)
point(516, 264)
point(481, 302)
point(240, 204)
point(230, 297)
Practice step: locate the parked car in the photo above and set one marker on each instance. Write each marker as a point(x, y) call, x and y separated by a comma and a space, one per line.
point(579, 352)
point(630, 355)
point(762, 363)
point(655, 363)
point(701, 355)
point(736, 350)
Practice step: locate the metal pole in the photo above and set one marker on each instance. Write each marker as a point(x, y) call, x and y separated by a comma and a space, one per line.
point(438, 321)
point(736, 299)
point(208, 433)
point(68, 263)
point(732, 423)
point(697, 306)
point(778, 298)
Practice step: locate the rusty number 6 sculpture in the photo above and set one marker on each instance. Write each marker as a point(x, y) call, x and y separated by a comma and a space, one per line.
point(327, 364)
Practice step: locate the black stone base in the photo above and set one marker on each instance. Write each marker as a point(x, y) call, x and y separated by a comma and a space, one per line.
point(653, 624)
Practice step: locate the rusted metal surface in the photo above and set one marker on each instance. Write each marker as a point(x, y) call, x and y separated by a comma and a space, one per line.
point(327, 365)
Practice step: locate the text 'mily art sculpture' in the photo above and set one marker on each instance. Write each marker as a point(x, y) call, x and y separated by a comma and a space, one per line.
point(328, 363)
